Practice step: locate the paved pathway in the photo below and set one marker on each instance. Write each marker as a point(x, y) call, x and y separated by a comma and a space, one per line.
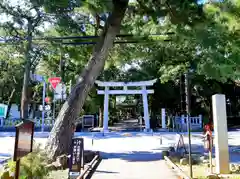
point(122, 169)
point(136, 157)
point(124, 125)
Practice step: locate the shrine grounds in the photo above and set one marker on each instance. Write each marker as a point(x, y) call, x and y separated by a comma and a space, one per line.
point(143, 146)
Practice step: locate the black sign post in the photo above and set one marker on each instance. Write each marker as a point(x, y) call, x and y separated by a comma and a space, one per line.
point(23, 142)
point(76, 162)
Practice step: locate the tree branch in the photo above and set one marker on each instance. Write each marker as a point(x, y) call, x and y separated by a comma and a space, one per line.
point(10, 10)
point(144, 7)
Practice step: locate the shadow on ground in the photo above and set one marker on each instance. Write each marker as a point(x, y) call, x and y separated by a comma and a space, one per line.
point(234, 156)
point(101, 171)
point(95, 135)
point(134, 156)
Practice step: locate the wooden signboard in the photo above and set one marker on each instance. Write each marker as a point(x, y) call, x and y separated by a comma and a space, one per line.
point(23, 142)
point(76, 161)
point(23, 139)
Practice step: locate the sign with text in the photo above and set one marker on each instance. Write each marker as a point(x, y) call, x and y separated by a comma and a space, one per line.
point(54, 81)
point(60, 91)
point(88, 121)
point(23, 139)
point(76, 160)
point(36, 77)
point(3, 110)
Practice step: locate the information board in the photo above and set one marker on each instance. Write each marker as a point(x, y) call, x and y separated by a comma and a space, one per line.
point(88, 121)
point(23, 139)
point(76, 160)
point(3, 110)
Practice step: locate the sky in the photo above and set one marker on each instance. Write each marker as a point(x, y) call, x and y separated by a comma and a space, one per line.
point(21, 3)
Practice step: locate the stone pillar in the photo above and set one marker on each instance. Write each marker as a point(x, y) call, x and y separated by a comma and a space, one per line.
point(200, 120)
point(183, 124)
point(220, 133)
point(105, 113)
point(163, 118)
point(145, 107)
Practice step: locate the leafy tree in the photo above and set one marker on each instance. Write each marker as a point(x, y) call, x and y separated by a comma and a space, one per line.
point(11, 76)
point(59, 140)
point(21, 24)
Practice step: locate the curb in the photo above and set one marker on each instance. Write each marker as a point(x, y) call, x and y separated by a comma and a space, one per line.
point(90, 168)
point(4, 160)
point(179, 171)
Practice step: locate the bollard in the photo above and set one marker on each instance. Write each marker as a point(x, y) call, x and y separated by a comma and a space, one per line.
point(92, 139)
point(160, 140)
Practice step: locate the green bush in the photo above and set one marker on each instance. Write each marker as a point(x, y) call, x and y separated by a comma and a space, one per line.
point(31, 166)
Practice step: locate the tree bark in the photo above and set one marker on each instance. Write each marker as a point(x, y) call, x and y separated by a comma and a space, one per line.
point(26, 79)
point(10, 102)
point(59, 141)
point(32, 105)
point(100, 117)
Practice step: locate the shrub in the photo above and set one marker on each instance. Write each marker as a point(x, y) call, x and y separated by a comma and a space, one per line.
point(31, 166)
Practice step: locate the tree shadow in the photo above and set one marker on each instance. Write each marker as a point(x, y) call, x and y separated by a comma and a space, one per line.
point(134, 156)
point(101, 171)
point(4, 157)
point(112, 135)
point(234, 157)
point(94, 135)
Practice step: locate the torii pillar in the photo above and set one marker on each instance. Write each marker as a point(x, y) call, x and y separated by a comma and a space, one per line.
point(106, 106)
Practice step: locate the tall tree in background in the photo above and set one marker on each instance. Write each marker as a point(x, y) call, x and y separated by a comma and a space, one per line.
point(20, 25)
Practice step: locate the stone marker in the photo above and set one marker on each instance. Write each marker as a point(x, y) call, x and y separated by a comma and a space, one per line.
point(163, 118)
point(221, 133)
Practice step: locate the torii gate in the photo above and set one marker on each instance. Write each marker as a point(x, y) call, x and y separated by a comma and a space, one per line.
point(144, 92)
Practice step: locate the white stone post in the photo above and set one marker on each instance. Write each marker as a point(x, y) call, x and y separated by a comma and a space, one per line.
point(200, 120)
point(183, 124)
point(163, 118)
point(220, 133)
point(145, 108)
point(105, 113)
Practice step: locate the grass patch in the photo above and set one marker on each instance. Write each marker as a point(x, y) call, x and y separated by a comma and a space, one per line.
point(201, 171)
point(59, 174)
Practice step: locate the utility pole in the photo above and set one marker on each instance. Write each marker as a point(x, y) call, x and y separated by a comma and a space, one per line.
point(62, 71)
point(182, 93)
point(187, 92)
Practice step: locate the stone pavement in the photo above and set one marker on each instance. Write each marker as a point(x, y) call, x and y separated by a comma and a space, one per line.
point(122, 169)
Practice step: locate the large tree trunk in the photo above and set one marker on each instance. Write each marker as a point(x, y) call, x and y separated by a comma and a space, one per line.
point(26, 79)
point(59, 141)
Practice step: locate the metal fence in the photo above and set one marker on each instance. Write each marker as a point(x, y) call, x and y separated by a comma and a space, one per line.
point(12, 122)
